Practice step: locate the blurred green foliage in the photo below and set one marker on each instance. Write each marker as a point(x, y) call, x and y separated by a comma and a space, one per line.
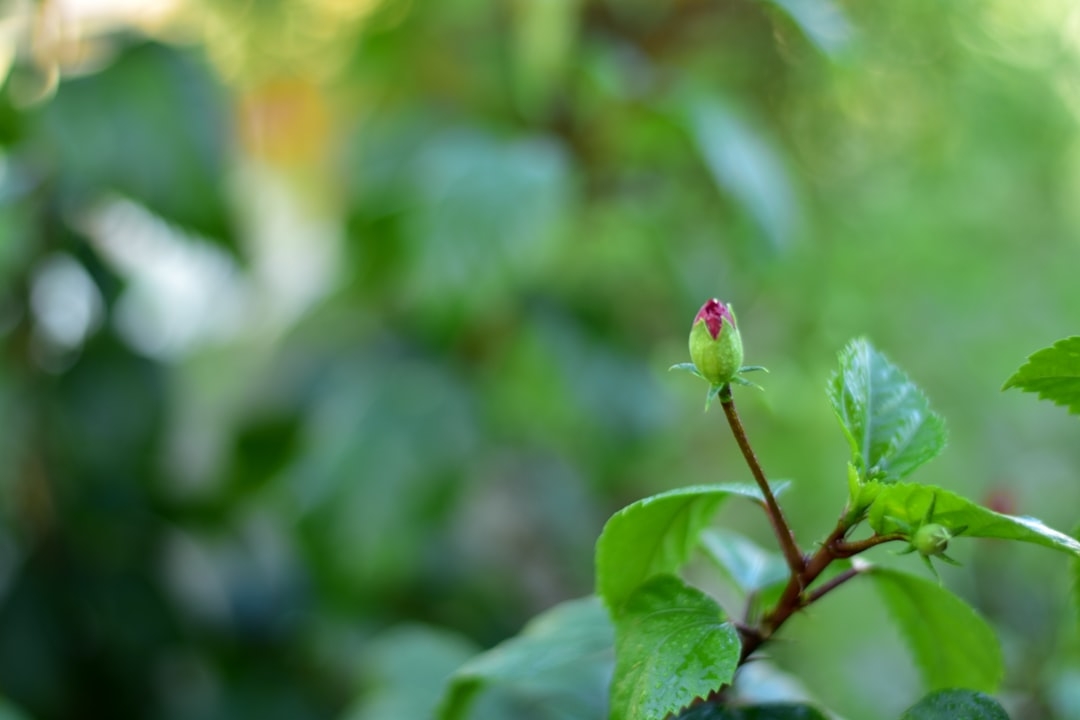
point(333, 332)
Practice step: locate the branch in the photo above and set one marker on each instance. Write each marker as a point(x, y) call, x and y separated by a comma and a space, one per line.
point(795, 560)
point(792, 599)
point(843, 549)
point(832, 584)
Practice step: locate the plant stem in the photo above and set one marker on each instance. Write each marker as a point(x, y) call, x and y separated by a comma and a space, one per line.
point(792, 600)
point(794, 597)
point(843, 549)
point(795, 559)
point(826, 587)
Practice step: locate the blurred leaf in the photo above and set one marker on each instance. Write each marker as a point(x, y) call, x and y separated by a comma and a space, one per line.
point(262, 447)
point(406, 668)
point(909, 502)
point(656, 535)
point(561, 662)
point(1053, 373)
point(955, 705)
point(823, 22)
point(672, 644)
point(952, 645)
point(750, 567)
point(8, 711)
point(772, 711)
point(384, 440)
point(165, 149)
point(543, 38)
point(763, 683)
point(886, 418)
point(745, 164)
point(487, 214)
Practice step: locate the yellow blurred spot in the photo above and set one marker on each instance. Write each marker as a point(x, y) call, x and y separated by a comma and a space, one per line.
point(286, 122)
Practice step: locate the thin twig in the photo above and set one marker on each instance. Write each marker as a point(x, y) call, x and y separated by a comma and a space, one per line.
point(795, 559)
point(843, 549)
point(833, 583)
point(789, 601)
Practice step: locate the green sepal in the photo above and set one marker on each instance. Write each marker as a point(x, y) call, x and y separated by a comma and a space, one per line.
point(714, 391)
point(753, 368)
point(862, 496)
point(747, 383)
point(687, 367)
point(931, 568)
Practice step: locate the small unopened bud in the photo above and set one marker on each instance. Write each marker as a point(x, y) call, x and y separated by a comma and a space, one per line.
point(931, 539)
point(715, 344)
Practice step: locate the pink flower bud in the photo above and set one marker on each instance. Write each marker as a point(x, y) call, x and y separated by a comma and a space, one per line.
point(715, 343)
point(715, 314)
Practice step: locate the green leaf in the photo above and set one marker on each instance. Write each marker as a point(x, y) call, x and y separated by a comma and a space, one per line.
point(953, 646)
point(955, 705)
point(561, 661)
point(672, 644)
point(909, 502)
point(886, 418)
point(405, 668)
point(167, 151)
point(656, 535)
point(771, 711)
point(1053, 373)
point(748, 565)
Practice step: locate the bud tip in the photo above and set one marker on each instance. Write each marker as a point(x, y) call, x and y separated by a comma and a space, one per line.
point(714, 313)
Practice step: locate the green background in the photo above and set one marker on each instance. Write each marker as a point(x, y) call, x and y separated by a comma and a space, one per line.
point(333, 332)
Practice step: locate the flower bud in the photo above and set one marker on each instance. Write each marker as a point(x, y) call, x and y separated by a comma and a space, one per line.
point(715, 344)
point(931, 539)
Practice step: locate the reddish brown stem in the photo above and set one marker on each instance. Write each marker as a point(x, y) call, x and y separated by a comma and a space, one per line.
point(843, 549)
point(795, 559)
point(830, 585)
point(791, 599)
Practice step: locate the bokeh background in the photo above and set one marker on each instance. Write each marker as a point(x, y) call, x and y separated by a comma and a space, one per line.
point(333, 330)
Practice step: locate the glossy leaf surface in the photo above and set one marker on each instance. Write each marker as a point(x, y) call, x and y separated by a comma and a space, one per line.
point(887, 419)
point(952, 645)
point(656, 535)
point(672, 644)
point(954, 705)
point(909, 502)
point(771, 711)
point(1053, 373)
